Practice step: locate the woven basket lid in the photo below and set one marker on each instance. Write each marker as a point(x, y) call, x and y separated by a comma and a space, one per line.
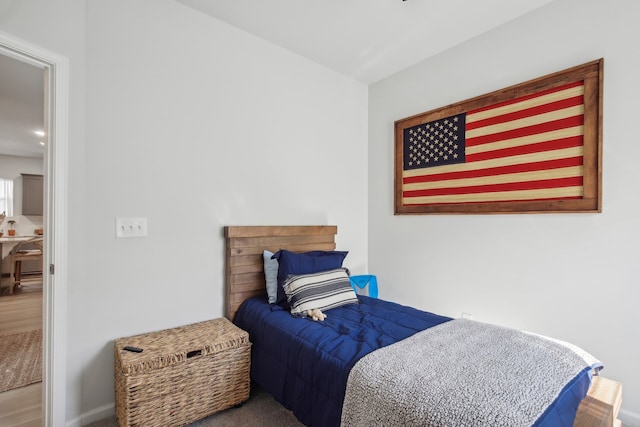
point(177, 345)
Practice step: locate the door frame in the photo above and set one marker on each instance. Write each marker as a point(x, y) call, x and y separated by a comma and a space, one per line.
point(56, 67)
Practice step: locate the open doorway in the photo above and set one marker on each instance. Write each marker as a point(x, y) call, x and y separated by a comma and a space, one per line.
point(23, 142)
point(55, 112)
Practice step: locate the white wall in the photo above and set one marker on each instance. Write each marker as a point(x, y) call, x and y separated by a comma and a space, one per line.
point(197, 125)
point(571, 276)
point(12, 166)
point(194, 125)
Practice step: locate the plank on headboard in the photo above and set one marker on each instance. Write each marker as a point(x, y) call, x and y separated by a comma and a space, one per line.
point(244, 247)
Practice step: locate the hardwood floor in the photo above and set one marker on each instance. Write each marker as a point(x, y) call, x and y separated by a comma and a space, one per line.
point(21, 407)
point(20, 312)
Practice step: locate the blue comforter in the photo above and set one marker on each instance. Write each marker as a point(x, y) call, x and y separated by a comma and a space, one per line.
point(305, 364)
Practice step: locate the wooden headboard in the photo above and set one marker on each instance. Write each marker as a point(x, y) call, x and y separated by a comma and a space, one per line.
point(244, 263)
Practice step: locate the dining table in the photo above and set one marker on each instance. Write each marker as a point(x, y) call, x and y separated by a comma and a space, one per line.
point(12, 241)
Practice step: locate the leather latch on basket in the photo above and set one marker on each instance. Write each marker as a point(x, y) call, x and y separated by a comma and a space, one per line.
point(194, 353)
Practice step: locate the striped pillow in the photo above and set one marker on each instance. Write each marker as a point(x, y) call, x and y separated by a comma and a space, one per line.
point(324, 290)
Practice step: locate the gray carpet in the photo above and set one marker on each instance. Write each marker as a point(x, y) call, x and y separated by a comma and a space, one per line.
point(261, 410)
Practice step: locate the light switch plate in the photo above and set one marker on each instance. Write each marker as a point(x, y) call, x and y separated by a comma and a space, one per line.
point(131, 227)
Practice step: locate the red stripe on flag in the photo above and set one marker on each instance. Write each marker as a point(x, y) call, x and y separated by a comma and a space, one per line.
point(501, 170)
point(573, 141)
point(527, 130)
point(528, 112)
point(492, 188)
point(527, 97)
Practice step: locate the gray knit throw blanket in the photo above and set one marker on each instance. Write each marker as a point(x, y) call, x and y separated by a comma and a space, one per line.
point(461, 373)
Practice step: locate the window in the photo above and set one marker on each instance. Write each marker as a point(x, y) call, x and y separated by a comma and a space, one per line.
point(6, 196)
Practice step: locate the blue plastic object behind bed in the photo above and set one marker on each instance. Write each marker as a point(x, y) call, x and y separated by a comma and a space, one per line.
point(366, 284)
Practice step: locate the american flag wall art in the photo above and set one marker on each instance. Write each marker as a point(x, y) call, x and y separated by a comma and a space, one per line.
point(533, 147)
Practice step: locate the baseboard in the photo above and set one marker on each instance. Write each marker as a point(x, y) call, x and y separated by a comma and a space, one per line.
point(629, 419)
point(94, 415)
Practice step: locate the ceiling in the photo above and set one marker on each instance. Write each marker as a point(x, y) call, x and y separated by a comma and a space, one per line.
point(21, 108)
point(367, 40)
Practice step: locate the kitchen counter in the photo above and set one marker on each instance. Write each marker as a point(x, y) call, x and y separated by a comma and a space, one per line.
point(7, 239)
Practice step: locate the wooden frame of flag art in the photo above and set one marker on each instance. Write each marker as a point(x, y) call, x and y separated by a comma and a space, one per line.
point(535, 147)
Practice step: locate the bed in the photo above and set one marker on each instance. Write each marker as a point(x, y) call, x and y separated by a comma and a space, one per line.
point(368, 361)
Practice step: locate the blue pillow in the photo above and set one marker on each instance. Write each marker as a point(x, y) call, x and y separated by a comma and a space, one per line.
point(270, 276)
point(291, 263)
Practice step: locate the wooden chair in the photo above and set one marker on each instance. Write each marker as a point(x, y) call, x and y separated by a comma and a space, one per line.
point(29, 250)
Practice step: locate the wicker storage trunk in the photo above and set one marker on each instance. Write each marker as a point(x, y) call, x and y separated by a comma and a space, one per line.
point(182, 375)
